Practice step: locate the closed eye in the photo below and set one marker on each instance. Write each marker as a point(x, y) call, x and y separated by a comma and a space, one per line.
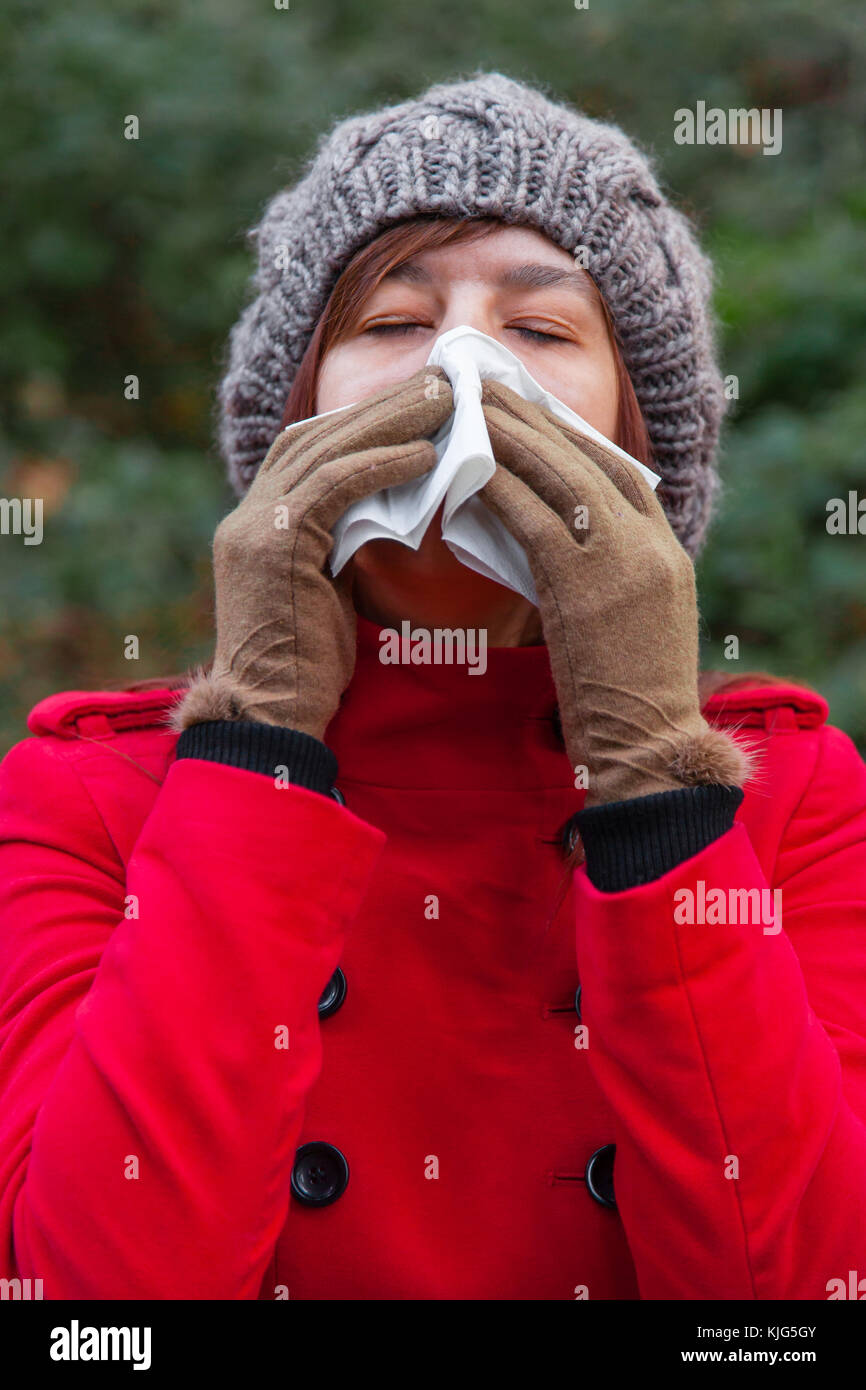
point(391, 327)
point(537, 336)
point(534, 334)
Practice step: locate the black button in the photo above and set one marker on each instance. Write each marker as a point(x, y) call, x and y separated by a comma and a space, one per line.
point(333, 994)
point(320, 1174)
point(577, 1003)
point(338, 795)
point(599, 1176)
point(569, 835)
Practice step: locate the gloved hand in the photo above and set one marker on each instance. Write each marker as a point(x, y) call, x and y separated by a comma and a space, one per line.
point(618, 606)
point(286, 629)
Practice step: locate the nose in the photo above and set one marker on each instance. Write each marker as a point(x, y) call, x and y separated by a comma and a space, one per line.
point(469, 305)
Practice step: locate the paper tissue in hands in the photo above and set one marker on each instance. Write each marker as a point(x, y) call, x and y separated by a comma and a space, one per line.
point(465, 462)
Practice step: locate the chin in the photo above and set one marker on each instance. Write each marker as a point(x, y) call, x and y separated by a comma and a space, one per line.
point(391, 583)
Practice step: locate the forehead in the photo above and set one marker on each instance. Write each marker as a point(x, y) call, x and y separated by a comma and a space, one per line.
point(507, 257)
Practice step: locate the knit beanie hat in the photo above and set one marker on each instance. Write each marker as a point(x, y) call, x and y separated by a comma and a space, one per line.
point(488, 147)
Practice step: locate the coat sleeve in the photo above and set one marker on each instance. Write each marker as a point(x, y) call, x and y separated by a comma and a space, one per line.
point(733, 1055)
point(154, 1067)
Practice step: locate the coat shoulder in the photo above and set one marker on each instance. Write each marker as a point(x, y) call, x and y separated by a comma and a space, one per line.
point(109, 736)
point(96, 761)
point(809, 775)
point(103, 714)
point(778, 708)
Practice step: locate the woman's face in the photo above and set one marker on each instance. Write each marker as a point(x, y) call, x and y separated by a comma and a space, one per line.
point(518, 287)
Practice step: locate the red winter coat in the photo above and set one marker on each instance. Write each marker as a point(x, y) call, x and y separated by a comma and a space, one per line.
point(151, 1111)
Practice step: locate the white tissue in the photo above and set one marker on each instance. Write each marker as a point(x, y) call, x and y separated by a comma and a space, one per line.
point(465, 462)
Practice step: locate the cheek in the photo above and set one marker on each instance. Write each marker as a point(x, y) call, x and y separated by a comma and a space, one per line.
point(589, 387)
point(341, 380)
point(349, 372)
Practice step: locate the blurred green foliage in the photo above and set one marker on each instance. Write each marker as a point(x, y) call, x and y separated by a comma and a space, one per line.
point(127, 257)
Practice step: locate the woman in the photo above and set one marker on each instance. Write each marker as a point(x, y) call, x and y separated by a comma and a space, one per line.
point(328, 978)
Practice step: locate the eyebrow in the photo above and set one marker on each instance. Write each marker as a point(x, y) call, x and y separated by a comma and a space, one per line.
point(529, 276)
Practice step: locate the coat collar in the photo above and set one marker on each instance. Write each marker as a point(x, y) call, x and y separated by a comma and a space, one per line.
point(432, 726)
point(438, 726)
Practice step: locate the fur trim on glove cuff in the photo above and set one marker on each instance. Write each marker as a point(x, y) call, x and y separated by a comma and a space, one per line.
point(713, 756)
point(205, 700)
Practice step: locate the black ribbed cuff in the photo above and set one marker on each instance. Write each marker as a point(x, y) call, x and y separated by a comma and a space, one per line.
point(262, 748)
point(632, 842)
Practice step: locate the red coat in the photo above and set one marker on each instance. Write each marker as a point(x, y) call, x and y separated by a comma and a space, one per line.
point(151, 1112)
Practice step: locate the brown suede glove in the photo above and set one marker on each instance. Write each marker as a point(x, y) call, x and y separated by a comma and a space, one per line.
point(618, 606)
point(286, 630)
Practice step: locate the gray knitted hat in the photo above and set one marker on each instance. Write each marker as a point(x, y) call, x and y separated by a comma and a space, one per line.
point(491, 147)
